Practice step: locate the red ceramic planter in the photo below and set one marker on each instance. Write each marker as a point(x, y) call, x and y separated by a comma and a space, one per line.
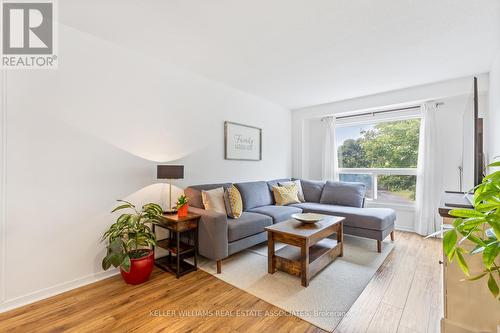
point(183, 211)
point(140, 269)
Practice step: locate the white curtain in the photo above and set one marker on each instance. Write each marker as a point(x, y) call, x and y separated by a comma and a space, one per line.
point(329, 170)
point(429, 177)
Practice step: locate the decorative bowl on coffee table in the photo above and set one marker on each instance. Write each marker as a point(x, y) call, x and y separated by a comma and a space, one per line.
point(309, 218)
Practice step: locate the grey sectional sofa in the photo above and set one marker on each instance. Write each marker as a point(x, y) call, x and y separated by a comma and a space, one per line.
point(220, 236)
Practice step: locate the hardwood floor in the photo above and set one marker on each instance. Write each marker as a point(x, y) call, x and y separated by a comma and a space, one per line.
point(405, 293)
point(403, 296)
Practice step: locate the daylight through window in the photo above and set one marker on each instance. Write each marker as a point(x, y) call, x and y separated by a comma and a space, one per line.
point(383, 156)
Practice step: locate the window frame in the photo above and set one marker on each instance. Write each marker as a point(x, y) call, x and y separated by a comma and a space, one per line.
point(375, 172)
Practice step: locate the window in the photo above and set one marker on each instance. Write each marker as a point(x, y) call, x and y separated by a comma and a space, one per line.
point(383, 156)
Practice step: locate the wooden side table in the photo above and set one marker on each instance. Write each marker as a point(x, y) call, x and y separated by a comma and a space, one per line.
point(181, 243)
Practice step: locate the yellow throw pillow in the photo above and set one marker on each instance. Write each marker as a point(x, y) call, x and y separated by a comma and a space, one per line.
point(286, 195)
point(234, 204)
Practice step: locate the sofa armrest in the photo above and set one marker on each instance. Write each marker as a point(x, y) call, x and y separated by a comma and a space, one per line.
point(212, 234)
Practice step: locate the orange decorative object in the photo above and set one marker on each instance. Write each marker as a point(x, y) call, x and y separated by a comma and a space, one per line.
point(183, 211)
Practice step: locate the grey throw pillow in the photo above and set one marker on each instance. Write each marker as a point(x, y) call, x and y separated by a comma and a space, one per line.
point(343, 194)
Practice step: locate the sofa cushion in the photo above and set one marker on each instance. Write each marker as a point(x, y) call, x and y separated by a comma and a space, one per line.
point(366, 218)
point(312, 190)
point(254, 194)
point(247, 224)
point(194, 193)
point(278, 213)
point(343, 193)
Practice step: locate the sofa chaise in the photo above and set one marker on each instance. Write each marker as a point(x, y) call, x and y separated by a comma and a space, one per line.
point(221, 236)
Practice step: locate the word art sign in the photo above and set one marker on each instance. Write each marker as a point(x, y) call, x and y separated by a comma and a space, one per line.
point(242, 142)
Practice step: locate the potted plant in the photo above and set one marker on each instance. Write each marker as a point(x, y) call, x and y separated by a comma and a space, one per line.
point(182, 206)
point(130, 240)
point(481, 226)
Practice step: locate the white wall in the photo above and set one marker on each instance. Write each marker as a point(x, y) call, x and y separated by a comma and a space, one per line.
point(492, 147)
point(307, 133)
point(92, 131)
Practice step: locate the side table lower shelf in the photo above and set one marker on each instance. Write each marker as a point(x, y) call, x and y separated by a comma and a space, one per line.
point(171, 245)
point(169, 263)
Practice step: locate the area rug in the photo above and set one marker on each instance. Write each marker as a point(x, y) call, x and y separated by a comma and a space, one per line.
point(329, 295)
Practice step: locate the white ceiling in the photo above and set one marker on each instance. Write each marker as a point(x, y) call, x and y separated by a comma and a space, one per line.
point(298, 53)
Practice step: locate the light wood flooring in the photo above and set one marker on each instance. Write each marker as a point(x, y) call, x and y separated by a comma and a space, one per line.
point(403, 296)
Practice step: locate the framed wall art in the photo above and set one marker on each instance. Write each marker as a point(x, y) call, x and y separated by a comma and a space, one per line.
point(242, 142)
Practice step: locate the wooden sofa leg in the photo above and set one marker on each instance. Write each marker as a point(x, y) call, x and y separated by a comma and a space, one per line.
point(392, 235)
point(219, 266)
point(379, 246)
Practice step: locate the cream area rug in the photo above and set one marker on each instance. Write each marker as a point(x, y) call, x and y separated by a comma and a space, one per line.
point(329, 294)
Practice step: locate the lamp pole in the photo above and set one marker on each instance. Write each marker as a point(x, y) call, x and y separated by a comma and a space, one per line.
point(170, 195)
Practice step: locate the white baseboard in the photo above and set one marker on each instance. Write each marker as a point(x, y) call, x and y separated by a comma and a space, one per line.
point(55, 290)
point(402, 228)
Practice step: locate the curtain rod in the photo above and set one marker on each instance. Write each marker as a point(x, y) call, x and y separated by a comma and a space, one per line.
point(381, 111)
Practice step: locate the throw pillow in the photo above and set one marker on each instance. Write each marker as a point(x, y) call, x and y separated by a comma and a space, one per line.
point(343, 193)
point(213, 200)
point(285, 195)
point(300, 193)
point(233, 202)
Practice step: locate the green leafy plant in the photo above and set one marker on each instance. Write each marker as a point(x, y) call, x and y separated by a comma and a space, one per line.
point(481, 226)
point(130, 237)
point(181, 201)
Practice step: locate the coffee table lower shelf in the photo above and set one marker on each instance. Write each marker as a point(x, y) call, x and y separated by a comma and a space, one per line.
point(289, 258)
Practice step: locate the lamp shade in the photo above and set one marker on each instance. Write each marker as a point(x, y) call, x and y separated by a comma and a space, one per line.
point(170, 171)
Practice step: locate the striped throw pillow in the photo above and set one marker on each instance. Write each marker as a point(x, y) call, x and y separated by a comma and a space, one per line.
point(285, 195)
point(234, 204)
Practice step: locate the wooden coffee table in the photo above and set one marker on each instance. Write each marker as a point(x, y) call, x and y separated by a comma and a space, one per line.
point(309, 249)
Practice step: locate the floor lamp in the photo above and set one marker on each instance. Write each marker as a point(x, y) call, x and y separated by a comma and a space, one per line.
point(170, 172)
